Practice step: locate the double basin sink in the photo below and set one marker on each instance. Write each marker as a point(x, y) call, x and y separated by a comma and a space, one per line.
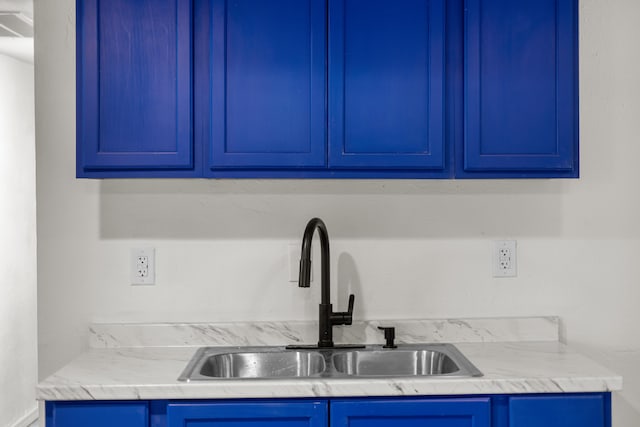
point(430, 360)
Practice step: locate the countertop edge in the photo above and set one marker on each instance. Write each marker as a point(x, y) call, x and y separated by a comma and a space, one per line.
point(151, 373)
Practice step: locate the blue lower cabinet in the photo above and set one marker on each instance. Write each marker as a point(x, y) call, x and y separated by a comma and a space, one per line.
point(560, 411)
point(448, 412)
point(273, 413)
point(97, 414)
point(544, 410)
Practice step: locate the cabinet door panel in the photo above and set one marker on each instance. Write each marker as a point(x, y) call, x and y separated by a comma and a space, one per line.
point(268, 84)
point(248, 414)
point(521, 85)
point(97, 414)
point(558, 411)
point(386, 84)
point(134, 85)
point(472, 412)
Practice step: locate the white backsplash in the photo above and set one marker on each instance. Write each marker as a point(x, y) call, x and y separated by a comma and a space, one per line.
point(111, 335)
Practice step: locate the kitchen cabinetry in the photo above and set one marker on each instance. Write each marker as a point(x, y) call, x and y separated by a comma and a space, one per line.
point(134, 88)
point(520, 88)
point(267, 75)
point(387, 84)
point(327, 88)
point(97, 414)
point(450, 412)
point(255, 414)
point(547, 410)
point(554, 411)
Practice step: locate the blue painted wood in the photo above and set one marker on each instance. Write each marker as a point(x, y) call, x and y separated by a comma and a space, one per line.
point(97, 414)
point(532, 410)
point(272, 413)
point(386, 84)
point(134, 85)
point(158, 413)
point(398, 72)
point(499, 411)
point(521, 87)
point(433, 412)
point(268, 75)
point(559, 411)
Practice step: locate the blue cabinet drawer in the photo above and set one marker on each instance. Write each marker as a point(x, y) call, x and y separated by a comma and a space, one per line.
point(559, 411)
point(274, 413)
point(432, 412)
point(97, 414)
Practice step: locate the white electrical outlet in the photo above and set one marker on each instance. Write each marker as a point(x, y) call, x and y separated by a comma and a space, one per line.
point(143, 266)
point(504, 258)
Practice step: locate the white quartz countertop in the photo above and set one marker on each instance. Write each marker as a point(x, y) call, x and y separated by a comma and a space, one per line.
point(510, 366)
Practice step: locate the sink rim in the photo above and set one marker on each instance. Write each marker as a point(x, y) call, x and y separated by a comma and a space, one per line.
point(192, 371)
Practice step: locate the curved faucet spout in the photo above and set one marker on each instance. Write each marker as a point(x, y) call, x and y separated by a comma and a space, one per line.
point(305, 258)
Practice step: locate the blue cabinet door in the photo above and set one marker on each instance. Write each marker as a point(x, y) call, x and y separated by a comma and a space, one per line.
point(97, 414)
point(267, 75)
point(273, 413)
point(386, 84)
point(560, 411)
point(451, 412)
point(520, 88)
point(134, 87)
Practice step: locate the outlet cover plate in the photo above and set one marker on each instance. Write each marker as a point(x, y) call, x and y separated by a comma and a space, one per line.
point(504, 258)
point(143, 266)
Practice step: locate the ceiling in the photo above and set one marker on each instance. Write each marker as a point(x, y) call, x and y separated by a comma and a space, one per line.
point(19, 48)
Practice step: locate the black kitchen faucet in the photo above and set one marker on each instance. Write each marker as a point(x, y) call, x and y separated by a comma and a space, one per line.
point(327, 318)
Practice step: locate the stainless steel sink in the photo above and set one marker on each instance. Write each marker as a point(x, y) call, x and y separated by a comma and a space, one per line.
point(438, 360)
point(430, 360)
point(258, 363)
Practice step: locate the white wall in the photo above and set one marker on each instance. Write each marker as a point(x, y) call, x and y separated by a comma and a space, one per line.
point(408, 249)
point(18, 326)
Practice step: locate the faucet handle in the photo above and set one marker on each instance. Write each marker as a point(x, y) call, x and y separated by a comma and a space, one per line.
point(348, 315)
point(344, 317)
point(352, 300)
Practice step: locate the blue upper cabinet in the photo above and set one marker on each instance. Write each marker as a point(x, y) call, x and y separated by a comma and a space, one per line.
point(446, 412)
point(273, 413)
point(327, 88)
point(387, 84)
point(134, 104)
point(267, 76)
point(520, 89)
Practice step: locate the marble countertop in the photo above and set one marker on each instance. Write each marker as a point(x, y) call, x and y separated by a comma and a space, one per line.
point(126, 367)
